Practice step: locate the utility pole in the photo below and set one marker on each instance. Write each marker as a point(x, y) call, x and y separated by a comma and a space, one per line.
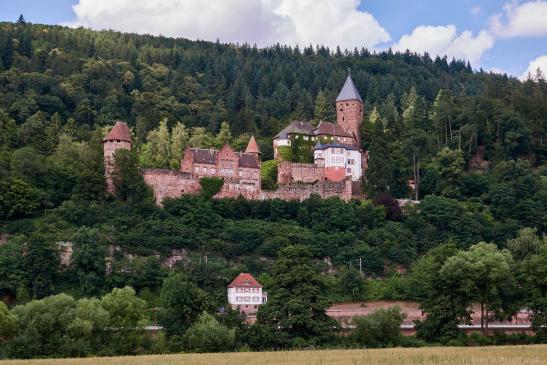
point(360, 267)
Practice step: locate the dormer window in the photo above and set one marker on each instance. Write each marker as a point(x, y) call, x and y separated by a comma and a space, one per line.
point(246, 282)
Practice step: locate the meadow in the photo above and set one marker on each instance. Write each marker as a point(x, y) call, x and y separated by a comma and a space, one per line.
point(500, 355)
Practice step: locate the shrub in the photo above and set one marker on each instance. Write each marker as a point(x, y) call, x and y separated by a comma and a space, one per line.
point(382, 328)
point(210, 186)
point(208, 335)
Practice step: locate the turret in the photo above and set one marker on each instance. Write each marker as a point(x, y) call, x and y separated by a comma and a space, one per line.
point(349, 110)
point(252, 148)
point(119, 137)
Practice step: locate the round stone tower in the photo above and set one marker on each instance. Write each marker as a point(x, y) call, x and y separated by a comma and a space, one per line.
point(119, 137)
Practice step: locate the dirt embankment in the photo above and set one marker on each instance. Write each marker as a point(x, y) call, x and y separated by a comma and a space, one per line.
point(344, 312)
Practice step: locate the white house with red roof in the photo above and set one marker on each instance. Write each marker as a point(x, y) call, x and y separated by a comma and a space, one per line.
point(245, 293)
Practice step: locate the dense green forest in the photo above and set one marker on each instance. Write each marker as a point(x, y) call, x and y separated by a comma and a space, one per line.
point(472, 141)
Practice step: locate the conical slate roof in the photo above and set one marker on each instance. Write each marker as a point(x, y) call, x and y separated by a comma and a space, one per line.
point(252, 147)
point(120, 132)
point(349, 91)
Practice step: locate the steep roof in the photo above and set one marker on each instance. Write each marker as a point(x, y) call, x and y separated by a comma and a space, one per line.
point(245, 280)
point(204, 156)
point(248, 160)
point(296, 127)
point(349, 91)
point(120, 132)
point(330, 129)
point(226, 152)
point(252, 146)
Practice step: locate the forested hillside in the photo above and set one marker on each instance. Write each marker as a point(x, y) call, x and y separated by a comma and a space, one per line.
point(473, 142)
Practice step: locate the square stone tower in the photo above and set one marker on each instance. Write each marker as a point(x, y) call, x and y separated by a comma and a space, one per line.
point(349, 110)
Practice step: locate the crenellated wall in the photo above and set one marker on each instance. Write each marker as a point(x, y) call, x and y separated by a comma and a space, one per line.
point(170, 183)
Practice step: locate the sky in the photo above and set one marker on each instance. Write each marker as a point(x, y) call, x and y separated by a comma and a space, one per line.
point(506, 36)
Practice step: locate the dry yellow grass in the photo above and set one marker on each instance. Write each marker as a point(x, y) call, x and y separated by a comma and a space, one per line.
point(503, 355)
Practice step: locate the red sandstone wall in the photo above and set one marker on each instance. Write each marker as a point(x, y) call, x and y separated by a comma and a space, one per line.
point(232, 188)
point(349, 114)
point(170, 183)
point(300, 191)
point(187, 163)
point(289, 172)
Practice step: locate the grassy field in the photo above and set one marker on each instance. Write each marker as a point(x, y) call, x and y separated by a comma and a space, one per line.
point(502, 355)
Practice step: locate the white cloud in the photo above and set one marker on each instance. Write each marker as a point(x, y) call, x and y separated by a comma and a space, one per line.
point(521, 20)
point(540, 62)
point(476, 10)
point(444, 40)
point(497, 70)
point(264, 22)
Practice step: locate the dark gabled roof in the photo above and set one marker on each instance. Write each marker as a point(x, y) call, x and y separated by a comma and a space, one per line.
point(120, 132)
point(330, 129)
point(204, 156)
point(319, 146)
point(248, 160)
point(349, 91)
point(296, 127)
point(245, 280)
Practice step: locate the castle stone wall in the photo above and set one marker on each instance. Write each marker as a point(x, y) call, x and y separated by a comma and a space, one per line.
point(232, 188)
point(301, 191)
point(170, 183)
point(289, 172)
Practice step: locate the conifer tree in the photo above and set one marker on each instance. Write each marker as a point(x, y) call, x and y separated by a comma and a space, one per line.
point(379, 175)
point(441, 117)
point(323, 108)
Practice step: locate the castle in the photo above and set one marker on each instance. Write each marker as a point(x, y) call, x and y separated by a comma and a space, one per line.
point(336, 170)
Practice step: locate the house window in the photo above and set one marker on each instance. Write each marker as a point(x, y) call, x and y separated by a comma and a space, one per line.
point(305, 138)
